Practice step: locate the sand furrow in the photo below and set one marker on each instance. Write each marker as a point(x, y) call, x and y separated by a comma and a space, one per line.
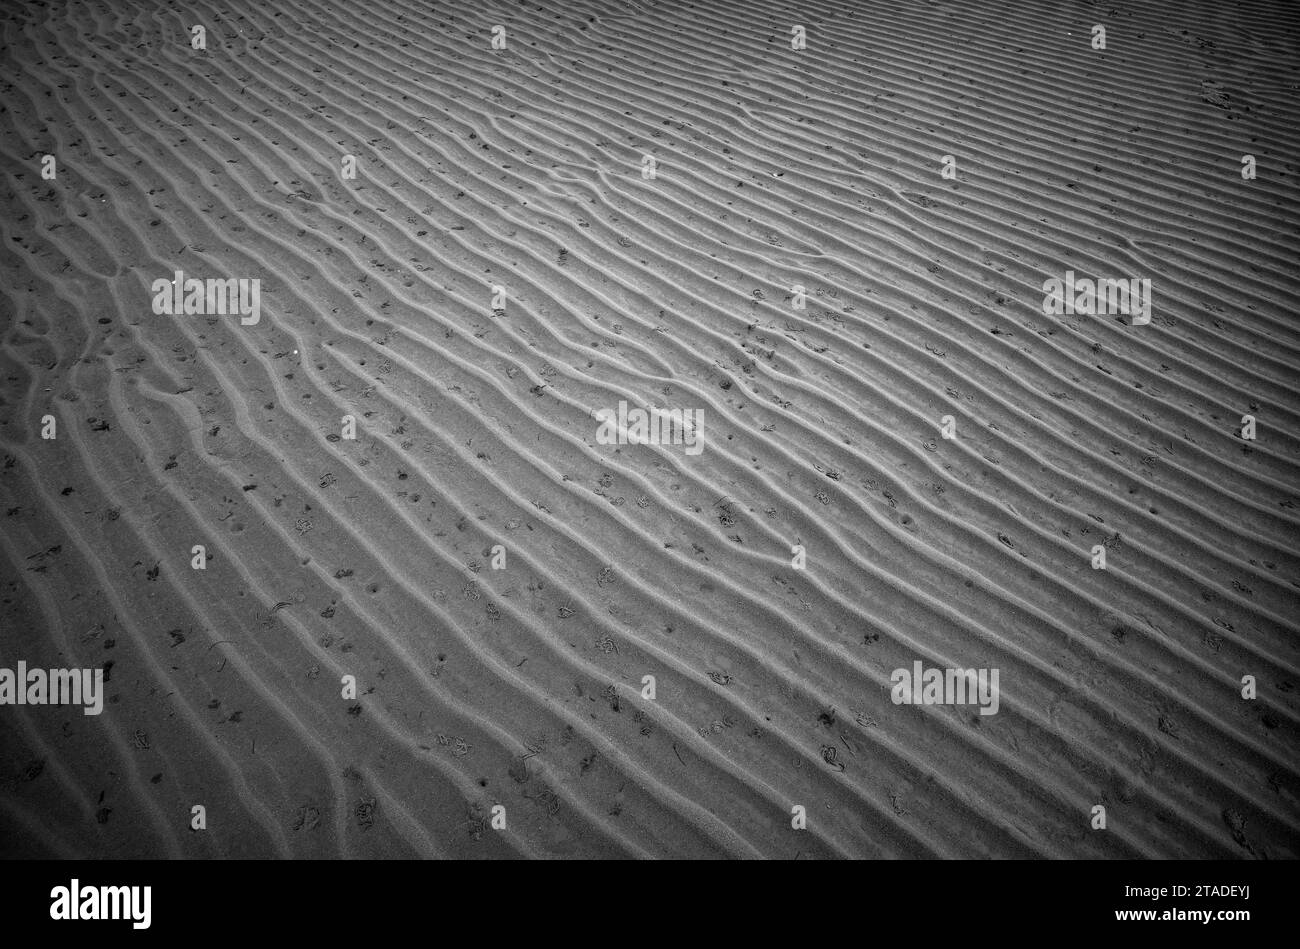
point(398, 472)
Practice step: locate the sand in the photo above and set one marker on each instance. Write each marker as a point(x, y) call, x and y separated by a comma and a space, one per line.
point(499, 581)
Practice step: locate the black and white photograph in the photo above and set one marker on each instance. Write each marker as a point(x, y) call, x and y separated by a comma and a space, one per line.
point(649, 430)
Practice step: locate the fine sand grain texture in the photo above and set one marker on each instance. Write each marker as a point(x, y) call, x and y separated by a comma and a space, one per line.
point(820, 233)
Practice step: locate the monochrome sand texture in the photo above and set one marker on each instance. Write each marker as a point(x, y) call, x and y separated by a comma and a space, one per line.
point(820, 233)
